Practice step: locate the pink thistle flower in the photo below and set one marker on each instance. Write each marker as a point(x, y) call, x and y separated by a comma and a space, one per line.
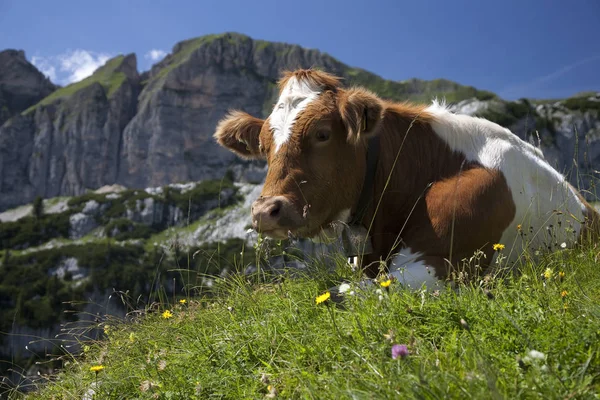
point(399, 350)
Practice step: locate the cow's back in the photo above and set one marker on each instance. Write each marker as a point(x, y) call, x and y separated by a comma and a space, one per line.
point(549, 212)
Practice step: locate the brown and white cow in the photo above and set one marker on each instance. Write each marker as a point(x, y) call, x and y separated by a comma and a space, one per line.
point(442, 186)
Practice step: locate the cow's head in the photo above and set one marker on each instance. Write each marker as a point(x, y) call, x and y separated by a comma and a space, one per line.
point(314, 142)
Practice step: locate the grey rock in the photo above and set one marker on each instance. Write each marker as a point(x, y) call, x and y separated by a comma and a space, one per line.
point(81, 225)
point(70, 265)
point(148, 212)
point(56, 207)
point(21, 84)
point(232, 224)
point(91, 207)
point(16, 213)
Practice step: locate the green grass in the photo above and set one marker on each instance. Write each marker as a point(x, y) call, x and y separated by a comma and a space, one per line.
point(30, 231)
point(105, 75)
point(256, 337)
point(415, 90)
point(582, 104)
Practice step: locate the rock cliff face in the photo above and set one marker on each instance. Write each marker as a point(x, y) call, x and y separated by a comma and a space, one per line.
point(155, 128)
point(71, 140)
point(21, 84)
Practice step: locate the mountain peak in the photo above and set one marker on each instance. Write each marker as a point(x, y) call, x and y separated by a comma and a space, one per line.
point(111, 76)
point(21, 84)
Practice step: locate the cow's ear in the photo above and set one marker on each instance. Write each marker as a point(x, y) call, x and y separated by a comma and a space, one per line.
point(239, 132)
point(361, 111)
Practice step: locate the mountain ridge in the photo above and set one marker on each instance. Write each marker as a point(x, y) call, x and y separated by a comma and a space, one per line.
point(140, 129)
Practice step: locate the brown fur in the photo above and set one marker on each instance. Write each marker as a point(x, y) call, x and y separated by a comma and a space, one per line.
point(436, 202)
point(466, 208)
point(361, 113)
point(238, 132)
point(322, 79)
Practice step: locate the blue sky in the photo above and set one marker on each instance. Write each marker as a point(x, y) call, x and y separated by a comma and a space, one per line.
point(516, 48)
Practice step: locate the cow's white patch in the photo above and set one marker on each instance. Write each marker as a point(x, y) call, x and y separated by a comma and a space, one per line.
point(412, 272)
point(537, 188)
point(295, 96)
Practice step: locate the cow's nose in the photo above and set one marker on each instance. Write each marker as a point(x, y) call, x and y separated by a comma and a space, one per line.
point(267, 212)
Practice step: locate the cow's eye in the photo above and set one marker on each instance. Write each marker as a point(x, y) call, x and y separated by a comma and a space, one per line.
point(322, 136)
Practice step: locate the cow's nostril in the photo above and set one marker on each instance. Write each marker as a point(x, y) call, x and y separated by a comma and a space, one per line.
point(274, 212)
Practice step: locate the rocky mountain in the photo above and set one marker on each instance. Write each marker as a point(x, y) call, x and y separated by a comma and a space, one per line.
point(155, 128)
point(21, 84)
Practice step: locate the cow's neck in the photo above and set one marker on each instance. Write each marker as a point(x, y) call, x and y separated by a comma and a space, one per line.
point(365, 199)
point(416, 157)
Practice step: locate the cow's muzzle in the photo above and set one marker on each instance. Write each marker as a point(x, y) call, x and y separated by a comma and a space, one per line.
point(274, 215)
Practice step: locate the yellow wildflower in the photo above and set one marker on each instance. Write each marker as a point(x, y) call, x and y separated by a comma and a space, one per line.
point(519, 227)
point(561, 274)
point(167, 314)
point(106, 329)
point(324, 297)
point(499, 246)
point(182, 301)
point(547, 273)
point(97, 368)
point(386, 283)
point(564, 293)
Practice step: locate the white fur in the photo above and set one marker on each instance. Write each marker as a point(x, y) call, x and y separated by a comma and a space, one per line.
point(295, 96)
point(412, 272)
point(537, 188)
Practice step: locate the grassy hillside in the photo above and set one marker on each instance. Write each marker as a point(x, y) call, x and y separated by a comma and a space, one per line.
point(415, 89)
point(120, 252)
point(533, 336)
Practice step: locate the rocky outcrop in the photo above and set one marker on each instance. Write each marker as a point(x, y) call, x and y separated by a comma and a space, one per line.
point(21, 84)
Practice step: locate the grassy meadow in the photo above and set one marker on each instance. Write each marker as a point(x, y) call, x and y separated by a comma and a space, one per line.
point(531, 335)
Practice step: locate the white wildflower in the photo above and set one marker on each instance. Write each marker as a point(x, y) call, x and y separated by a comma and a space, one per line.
point(344, 287)
point(536, 355)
